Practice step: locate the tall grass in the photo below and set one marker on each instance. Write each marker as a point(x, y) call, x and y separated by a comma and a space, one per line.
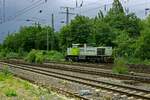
point(10, 92)
point(120, 66)
point(5, 73)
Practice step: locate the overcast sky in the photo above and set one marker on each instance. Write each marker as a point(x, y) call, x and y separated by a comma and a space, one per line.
point(90, 8)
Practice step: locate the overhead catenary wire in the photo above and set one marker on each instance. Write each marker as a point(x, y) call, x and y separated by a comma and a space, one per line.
point(29, 6)
point(102, 7)
point(109, 5)
point(25, 11)
point(31, 0)
point(82, 11)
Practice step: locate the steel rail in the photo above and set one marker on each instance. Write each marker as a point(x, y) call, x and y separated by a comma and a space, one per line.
point(85, 70)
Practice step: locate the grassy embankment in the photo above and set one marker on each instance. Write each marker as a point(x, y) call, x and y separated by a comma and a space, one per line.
point(15, 88)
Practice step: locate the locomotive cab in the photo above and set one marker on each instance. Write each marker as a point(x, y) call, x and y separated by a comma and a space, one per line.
point(104, 51)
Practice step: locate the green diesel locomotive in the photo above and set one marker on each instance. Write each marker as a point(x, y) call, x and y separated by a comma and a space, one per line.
point(79, 52)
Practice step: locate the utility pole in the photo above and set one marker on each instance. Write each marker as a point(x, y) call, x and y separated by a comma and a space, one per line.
point(53, 22)
point(53, 29)
point(47, 40)
point(0, 12)
point(67, 13)
point(3, 10)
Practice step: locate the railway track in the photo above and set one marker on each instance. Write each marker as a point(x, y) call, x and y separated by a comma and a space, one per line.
point(139, 68)
point(132, 67)
point(128, 90)
point(91, 71)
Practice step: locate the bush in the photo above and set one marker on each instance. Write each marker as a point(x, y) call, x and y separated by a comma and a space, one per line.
point(3, 54)
point(35, 56)
point(31, 56)
point(54, 56)
point(120, 67)
point(147, 62)
point(12, 55)
point(22, 53)
point(39, 57)
point(137, 61)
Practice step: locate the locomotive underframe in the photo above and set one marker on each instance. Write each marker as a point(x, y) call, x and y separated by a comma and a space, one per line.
point(95, 59)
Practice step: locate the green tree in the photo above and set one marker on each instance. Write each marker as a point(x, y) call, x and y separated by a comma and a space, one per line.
point(104, 34)
point(0, 46)
point(132, 25)
point(9, 42)
point(32, 37)
point(125, 45)
point(100, 15)
point(117, 19)
point(81, 30)
point(143, 43)
point(78, 31)
point(117, 8)
point(41, 38)
point(65, 38)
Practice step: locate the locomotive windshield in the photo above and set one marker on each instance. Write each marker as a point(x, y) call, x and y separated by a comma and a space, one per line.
point(100, 51)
